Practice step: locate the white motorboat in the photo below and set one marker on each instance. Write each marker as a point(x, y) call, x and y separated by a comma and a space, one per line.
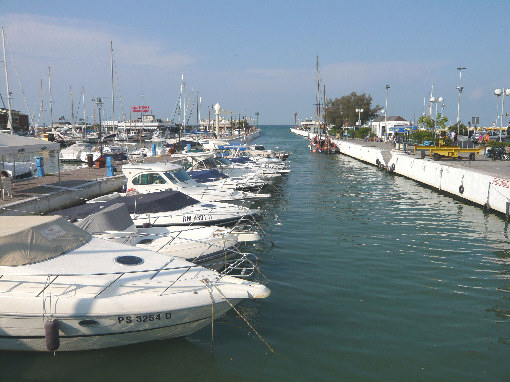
point(62, 289)
point(76, 152)
point(243, 180)
point(154, 177)
point(20, 169)
point(210, 246)
point(165, 208)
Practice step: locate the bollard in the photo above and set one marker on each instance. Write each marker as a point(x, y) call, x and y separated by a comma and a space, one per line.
point(109, 166)
point(39, 161)
point(90, 160)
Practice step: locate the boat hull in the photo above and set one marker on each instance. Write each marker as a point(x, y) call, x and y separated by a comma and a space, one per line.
point(26, 333)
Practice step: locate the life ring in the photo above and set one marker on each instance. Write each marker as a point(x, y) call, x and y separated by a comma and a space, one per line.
point(392, 167)
point(461, 189)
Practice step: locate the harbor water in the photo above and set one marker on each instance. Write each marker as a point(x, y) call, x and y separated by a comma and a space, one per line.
point(373, 278)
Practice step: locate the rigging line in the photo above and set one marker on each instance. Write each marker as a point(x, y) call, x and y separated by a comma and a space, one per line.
point(22, 91)
point(118, 89)
point(240, 315)
point(212, 317)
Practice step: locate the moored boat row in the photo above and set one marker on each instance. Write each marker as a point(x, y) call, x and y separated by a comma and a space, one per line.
point(134, 267)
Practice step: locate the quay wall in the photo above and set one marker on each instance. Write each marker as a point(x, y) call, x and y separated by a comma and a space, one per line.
point(487, 191)
point(370, 155)
point(64, 197)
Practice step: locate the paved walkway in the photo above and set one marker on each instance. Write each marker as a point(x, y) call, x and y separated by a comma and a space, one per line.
point(26, 188)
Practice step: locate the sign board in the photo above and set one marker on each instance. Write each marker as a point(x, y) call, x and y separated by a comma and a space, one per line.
point(475, 120)
point(141, 109)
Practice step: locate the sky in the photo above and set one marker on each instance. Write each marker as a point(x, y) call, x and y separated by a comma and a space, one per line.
point(256, 56)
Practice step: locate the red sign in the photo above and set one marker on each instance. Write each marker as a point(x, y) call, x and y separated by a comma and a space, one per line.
point(141, 109)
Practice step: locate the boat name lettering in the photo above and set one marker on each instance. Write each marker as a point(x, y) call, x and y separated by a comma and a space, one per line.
point(203, 217)
point(501, 182)
point(143, 318)
point(186, 218)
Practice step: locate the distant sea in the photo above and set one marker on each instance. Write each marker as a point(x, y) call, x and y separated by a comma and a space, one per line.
point(373, 278)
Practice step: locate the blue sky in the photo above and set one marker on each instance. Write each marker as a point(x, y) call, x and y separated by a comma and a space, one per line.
point(258, 56)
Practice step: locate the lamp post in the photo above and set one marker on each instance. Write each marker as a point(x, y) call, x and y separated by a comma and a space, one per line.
point(502, 92)
point(99, 104)
point(359, 111)
point(386, 114)
point(436, 100)
point(383, 111)
point(217, 109)
point(459, 88)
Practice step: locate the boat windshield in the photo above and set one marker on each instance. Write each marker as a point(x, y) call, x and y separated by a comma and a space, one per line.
point(180, 175)
point(207, 163)
point(222, 161)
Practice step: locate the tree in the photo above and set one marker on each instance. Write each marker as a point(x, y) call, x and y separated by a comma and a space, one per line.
point(342, 111)
point(429, 123)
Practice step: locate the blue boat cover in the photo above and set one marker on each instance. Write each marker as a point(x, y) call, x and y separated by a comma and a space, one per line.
point(241, 160)
point(205, 176)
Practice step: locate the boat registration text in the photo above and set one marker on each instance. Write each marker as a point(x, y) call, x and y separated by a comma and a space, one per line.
point(143, 318)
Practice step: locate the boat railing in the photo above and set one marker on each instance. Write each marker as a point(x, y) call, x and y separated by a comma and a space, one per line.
point(47, 280)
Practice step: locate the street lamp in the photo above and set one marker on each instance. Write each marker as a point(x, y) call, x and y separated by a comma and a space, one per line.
point(502, 92)
point(436, 100)
point(359, 111)
point(217, 109)
point(459, 88)
point(99, 104)
point(385, 114)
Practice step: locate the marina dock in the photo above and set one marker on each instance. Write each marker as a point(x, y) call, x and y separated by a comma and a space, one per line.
point(49, 193)
point(53, 192)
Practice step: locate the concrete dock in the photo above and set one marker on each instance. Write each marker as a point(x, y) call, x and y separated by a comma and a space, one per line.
point(54, 192)
point(483, 181)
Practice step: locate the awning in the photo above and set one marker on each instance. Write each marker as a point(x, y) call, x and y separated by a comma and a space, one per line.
point(403, 129)
point(14, 144)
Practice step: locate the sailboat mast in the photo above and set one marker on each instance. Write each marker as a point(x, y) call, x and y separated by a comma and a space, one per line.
point(84, 113)
point(42, 108)
point(113, 95)
point(9, 120)
point(199, 106)
point(72, 109)
point(51, 103)
point(324, 104)
point(184, 102)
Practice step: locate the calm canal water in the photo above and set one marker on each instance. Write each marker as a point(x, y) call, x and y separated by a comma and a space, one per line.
point(373, 278)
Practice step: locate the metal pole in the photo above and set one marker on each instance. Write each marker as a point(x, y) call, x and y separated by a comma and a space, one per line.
point(459, 88)
point(502, 114)
point(9, 115)
point(386, 114)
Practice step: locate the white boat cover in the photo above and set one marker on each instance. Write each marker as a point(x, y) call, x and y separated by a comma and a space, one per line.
point(32, 239)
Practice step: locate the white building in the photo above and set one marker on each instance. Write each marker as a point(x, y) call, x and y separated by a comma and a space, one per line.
point(379, 127)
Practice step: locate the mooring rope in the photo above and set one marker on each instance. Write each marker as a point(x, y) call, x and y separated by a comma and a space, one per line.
point(206, 281)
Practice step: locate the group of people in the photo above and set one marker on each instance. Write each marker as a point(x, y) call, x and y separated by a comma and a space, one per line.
point(5, 184)
point(483, 138)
